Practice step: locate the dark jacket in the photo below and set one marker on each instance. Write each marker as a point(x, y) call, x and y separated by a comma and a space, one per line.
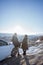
point(15, 41)
point(24, 43)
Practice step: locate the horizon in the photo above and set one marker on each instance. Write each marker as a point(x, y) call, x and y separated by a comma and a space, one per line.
point(21, 16)
point(23, 34)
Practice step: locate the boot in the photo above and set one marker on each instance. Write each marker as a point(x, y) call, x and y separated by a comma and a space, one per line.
point(24, 52)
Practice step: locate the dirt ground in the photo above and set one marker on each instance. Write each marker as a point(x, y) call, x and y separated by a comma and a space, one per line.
point(24, 60)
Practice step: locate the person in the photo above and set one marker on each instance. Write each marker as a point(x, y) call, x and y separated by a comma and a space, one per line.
point(25, 44)
point(16, 43)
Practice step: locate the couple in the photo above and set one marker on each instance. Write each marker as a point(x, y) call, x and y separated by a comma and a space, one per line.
point(17, 44)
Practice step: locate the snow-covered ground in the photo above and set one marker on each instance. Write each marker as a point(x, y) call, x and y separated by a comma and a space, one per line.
point(33, 49)
point(5, 51)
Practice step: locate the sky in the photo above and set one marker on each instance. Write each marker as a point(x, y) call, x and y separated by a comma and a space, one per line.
point(21, 16)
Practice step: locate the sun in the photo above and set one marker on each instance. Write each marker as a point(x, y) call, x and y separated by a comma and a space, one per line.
point(18, 29)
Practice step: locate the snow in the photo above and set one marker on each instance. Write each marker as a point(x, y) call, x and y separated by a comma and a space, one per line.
point(33, 50)
point(5, 51)
point(38, 41)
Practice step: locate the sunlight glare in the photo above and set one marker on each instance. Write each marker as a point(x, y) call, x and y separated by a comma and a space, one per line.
point(19, 30)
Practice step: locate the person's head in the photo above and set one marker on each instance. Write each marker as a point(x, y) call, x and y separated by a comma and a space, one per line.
point(15, 34)
point(25, 36)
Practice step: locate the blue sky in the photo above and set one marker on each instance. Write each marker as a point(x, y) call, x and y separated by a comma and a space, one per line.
point(21, 16)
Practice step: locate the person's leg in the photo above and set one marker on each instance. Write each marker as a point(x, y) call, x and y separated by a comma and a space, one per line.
point(18, 52)
point(24, 52)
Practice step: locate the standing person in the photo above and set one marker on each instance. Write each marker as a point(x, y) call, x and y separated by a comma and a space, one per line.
point(16, 44)
point(24, 45)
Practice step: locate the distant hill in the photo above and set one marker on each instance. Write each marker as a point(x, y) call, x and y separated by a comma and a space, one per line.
point(5, 34)
point(20, 37)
